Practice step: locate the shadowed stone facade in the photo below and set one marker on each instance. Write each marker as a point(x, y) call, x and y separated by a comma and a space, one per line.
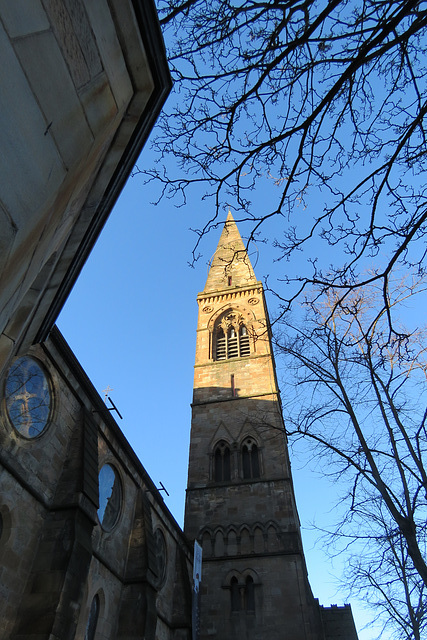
point(56, 551)
point(240, 500)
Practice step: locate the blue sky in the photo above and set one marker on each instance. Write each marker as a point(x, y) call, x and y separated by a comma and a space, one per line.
point(131, 321)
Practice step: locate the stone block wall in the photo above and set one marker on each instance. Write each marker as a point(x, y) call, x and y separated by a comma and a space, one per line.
point(279, 610)
point(56, 554)
point(338, 623)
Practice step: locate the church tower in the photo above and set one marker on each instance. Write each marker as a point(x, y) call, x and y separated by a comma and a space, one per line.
point(240, 501)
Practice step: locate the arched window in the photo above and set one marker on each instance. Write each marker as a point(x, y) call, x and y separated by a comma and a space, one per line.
point(110, 497)
point(93, 619)
point(244, 341)
point(250, 459)
point(207, 544)
point(222, 467)
point(249, 594)
point(242, 595)
point(221, 346)
point(231, 341)
point(235, 594)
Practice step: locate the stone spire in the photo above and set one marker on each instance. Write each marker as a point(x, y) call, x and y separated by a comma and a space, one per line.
point(230, 265)
point(240, 503)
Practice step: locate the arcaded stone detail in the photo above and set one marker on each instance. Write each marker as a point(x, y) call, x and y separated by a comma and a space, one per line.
point(242, 540)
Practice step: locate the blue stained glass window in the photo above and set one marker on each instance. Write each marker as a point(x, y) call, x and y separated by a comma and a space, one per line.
point(93, 619)
point(28, 398)
point(110, 497)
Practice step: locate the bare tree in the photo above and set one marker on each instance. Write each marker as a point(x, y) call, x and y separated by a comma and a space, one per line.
point(324, 103)
point(383, 574)
point(360, 399)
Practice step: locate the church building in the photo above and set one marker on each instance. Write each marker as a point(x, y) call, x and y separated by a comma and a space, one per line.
point(88, 548)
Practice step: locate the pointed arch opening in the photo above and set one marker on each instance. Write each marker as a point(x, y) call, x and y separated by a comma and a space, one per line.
point(222, 462)
point(92, 619)
point(207, 544)
point(242, 588)
point(231, 337)
point(232, 343)
point(249, 594)
point(235, 594)
point(221, 345)
point(250, 459)
point(244, 341)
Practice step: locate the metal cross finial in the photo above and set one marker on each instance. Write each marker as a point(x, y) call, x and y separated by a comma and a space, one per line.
point(107, 391)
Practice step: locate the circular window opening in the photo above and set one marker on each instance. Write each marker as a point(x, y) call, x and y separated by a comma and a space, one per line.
point(28, 397)
point(110, 497)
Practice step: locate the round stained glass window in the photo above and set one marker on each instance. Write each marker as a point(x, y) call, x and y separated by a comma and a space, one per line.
point(28, 397)
point(110, 497)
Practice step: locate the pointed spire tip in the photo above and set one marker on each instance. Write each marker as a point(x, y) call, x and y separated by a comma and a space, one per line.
point(230, 265)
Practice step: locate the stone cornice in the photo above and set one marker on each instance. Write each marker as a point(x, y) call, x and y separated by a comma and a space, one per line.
point(214, 297)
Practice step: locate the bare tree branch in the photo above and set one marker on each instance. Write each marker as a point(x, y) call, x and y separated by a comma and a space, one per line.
point(364, 408)
point(314, 103)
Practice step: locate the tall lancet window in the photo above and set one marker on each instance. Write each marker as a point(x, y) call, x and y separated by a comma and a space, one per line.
point(93, 619)
point(232, 344)
point(249, 594)
point(244, 341)
point(222, 467)
point(235, 594)
point(250, 459)
point(221, 345)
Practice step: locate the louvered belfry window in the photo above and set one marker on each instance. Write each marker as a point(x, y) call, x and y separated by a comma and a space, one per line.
point(244, 341)
point(221, 345)
point(232, 343)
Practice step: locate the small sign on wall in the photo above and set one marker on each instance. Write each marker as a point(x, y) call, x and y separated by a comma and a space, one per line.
point(197, 577)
